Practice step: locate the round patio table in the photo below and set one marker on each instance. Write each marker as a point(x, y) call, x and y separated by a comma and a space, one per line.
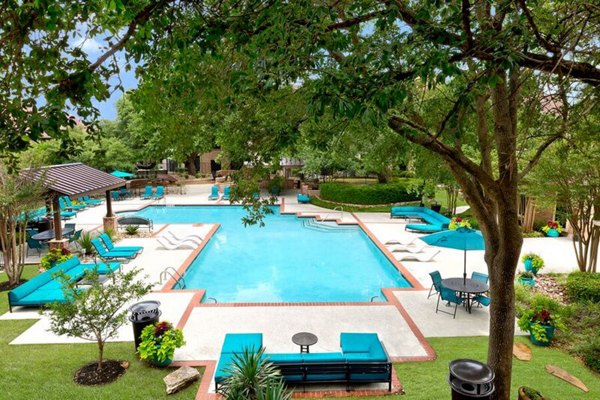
point(304, 340)
point(467, 287)
point(49, 234)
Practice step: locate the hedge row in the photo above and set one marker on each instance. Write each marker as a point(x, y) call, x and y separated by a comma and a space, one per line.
point(383, 193)
point(584, 286)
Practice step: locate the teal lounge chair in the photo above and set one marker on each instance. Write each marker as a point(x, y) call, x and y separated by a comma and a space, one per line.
point(125, 194)
point(63, 205)
point(160, 193)
point(64, 215)
point(109, 255)
point(110, 246)
point(302, 198)
point(87, 200)
point(147, 193)
point(214, 193)
point(226, 193)
point(72, 206)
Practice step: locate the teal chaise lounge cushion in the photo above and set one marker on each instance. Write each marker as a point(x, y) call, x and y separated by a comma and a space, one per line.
point(44, 288)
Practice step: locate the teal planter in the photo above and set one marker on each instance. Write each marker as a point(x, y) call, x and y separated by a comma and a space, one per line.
point(162, 364)
point(549, 334)
point(527, 281)
point(528, 264)
point(552, 233)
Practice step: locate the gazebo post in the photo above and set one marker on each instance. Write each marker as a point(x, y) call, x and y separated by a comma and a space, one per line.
point(110, 220)
point(58, 242)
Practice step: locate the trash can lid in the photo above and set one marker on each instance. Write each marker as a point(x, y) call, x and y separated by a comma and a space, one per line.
point(146, 306)
point(471, 371)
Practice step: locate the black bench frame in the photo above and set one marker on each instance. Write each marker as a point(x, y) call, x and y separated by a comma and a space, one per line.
point(138, 221)
point(346, 368)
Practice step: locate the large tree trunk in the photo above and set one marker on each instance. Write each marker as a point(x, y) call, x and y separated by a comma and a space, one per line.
point(502, 261)
point(191, 163)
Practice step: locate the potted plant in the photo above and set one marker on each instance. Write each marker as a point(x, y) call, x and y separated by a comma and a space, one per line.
point(541, 324)
point(526, 278)
point(532, 262)
point(158, 343)
point(54, 257)
point(458, 222)
point(552, 229)
point(527, 393)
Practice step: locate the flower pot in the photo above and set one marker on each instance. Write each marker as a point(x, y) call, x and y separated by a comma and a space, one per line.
point(526, 281)
point(162, 364)
point(549, 334)
point(528, 265)
point(552, 233)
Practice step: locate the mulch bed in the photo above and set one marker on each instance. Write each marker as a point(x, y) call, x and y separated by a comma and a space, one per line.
point(4, 286)
point(89, 375)
point(547, 285)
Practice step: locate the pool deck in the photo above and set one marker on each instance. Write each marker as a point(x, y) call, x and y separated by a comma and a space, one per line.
point(403, 321)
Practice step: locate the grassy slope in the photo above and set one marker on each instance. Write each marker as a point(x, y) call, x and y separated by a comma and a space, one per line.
point(45, 371)
point(30, 370)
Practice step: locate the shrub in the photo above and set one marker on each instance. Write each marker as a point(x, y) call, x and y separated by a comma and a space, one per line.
point(55, 257)
point(85, 242)
point(131, 229)
point(584, 286)
point(591, 354)
point(537, 262)
point(368, 194)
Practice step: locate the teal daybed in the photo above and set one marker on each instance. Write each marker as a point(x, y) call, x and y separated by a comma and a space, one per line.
point(433, 221)
point(362, 359)
point(44, 289)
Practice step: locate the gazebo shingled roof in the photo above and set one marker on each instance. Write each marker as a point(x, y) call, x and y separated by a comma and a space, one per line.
point(74, 179)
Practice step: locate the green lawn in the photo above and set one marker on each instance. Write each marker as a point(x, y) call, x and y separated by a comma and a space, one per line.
point(46, 371)
point(28, 371)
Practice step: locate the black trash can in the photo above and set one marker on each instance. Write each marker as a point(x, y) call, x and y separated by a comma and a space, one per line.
point(471, 379)
point(143, 314)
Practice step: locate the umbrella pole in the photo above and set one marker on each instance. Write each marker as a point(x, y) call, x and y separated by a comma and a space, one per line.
point(465, 269)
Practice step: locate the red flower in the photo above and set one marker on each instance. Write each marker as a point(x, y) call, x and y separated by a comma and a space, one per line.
point(161, 328)
point(458, 219)
point(543, 316)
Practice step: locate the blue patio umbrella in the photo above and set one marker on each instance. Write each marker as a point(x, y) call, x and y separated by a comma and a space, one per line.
point(461, 239)
point(121, 174)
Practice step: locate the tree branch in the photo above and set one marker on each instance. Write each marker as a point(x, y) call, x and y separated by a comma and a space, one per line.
point(543, 41)
point(538, 154)
point(140, 18)
point(429, 141)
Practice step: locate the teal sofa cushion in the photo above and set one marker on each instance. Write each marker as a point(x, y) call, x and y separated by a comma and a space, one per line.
point(224, 364)
point(42, 296)
point(357, 342)
point(238, 342)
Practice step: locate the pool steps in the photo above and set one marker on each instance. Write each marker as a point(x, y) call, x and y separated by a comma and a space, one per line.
point(320, 226)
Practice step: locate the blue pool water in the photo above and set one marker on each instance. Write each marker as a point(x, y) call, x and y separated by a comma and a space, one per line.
point(289, 260)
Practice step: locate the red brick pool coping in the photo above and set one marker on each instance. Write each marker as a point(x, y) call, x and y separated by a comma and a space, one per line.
point(198, 294)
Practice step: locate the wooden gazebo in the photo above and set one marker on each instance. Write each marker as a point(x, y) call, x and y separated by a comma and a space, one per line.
point(75, 179)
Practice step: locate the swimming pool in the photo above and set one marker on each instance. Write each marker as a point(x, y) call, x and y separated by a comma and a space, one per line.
point(290, 259)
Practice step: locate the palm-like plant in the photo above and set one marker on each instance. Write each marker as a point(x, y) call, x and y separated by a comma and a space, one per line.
point(275, 390)
point(253, 378)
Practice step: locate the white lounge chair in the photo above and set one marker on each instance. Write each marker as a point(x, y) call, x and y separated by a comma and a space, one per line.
point(403, 241)
point(399, 248)
point(423, 257)
point(165, 243)
point(192, 237)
